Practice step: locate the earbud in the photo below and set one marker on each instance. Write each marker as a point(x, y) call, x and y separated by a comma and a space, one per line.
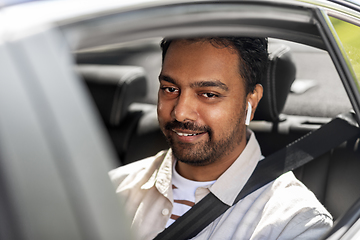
point(248, 114)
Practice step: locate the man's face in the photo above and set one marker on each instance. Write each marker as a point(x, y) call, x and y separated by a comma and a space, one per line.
point(202, 102)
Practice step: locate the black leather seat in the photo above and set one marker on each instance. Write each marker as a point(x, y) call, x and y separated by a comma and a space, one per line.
point(148, 139)
point(334, 177)
point(114, 89)
point(280, 75)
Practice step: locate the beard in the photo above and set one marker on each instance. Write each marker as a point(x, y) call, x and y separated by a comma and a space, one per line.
point(207, 151)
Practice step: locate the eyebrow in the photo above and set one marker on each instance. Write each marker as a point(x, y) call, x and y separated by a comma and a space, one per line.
point(166, 79)
point(199, 84)
point(211, 83)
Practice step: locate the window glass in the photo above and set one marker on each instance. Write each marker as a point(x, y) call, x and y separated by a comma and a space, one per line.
point(317, 90)
point(349, 35)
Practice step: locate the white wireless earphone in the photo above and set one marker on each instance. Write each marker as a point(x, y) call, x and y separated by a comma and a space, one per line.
point(248, 114)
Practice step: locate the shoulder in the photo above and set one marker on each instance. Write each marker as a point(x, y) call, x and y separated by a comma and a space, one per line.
point(136, 170)
point(297, 209)
point(288, 187)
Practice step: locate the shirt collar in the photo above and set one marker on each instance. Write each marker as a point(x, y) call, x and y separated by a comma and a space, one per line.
point(161, 178)
point(235, 177)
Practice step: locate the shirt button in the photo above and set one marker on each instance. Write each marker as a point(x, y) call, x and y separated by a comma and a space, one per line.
point(165, 211)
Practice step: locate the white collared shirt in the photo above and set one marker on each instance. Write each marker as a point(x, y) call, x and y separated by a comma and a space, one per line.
point(282, 209)
point(183, 194)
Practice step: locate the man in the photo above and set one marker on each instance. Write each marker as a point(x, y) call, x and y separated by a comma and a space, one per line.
point(209, 89)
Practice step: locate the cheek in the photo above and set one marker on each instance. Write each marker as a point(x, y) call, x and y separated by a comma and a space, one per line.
point(223, 119)
point(220, 119)
point(160, 112)
point(215, 115)
point(163, 112)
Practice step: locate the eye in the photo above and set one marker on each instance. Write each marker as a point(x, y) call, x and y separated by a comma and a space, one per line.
point(210, 95)
point(169, 89)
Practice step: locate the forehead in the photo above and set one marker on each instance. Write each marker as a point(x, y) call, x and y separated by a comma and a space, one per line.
point(201, 60)
point(197, 49)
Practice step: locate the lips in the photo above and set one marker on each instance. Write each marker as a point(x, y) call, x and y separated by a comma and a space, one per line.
point(186, 132)
point(188, 137)
point(183, 134)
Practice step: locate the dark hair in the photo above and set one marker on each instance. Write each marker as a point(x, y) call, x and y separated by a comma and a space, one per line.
point(252, 52)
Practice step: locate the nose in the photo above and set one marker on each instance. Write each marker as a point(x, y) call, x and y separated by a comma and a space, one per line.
point(185, 108)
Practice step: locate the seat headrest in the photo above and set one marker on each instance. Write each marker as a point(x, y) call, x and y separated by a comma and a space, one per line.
point(114, 88)
point(280, 75)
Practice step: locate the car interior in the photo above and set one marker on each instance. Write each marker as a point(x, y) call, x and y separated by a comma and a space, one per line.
point(79, 92)
point(123, 84)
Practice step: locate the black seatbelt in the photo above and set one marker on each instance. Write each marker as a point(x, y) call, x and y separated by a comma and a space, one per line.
point(296, 154)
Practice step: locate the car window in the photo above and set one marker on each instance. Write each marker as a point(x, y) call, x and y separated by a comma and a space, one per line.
point(349, 35)
point(317, 90)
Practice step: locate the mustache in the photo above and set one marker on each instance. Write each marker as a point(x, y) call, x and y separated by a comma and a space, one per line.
point(187, 126)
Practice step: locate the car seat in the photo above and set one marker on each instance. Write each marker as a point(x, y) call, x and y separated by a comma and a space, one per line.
point(114, 89)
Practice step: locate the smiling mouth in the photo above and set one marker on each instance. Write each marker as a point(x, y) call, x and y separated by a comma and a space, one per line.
point(182, 134)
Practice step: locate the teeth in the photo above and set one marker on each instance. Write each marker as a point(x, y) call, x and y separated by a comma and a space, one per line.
point(186, 134)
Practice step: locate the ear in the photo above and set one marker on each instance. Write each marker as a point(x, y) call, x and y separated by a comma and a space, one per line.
point(254, 98)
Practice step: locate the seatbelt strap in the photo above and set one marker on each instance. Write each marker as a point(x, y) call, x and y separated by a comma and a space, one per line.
point(296, 154)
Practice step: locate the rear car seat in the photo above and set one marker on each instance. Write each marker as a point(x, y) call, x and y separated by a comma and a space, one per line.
point(114, 89)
